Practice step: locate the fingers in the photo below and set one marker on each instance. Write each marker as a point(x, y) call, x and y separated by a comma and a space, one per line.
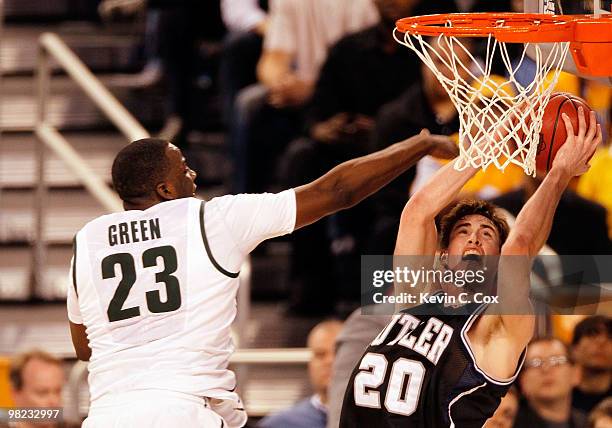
point(449, 150)
point(594, 144)
point(592, 126)
point(599, 136)
point(340, 118)
point(364, 122)
point(581, 123)
point(568, 127)
point(437, 139)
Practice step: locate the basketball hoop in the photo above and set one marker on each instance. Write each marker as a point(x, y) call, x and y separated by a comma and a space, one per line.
point(500, 122)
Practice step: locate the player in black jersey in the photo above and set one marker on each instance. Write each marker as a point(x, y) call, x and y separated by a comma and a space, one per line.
point(440, 365)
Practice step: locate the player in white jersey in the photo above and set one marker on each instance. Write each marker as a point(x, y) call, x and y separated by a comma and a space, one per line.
point(154, 287)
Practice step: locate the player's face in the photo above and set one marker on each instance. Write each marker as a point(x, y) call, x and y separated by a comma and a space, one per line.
point(42, 385)
point(180, 176)
point(505, 413)
point(472, 237)
point(552, 377)
point(594, 350)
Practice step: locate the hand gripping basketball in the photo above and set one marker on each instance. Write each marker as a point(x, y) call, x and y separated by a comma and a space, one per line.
point(574, 156)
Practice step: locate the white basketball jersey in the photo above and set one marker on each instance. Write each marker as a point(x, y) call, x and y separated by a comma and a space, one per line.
point(156, 290)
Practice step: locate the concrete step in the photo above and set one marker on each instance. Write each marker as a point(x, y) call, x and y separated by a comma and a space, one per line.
point(66, 212)
point(45, 10)
point(100, 48)
point(68, 107)
point(16, 273)
point(18, 168)
point(208, 157)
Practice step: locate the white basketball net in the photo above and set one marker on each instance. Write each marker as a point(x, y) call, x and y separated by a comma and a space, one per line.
point(500, 122)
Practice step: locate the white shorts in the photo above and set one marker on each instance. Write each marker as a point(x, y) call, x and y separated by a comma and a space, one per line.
point(152, 409)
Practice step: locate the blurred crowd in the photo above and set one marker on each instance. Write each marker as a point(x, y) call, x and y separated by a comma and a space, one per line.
point(560, 385)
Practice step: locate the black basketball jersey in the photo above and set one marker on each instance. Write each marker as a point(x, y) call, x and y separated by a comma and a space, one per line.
point(420, 372)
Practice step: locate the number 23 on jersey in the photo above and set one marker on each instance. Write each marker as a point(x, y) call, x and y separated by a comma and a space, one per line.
point(123, 266)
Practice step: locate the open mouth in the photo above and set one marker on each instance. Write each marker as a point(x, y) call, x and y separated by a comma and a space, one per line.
point(471, 255)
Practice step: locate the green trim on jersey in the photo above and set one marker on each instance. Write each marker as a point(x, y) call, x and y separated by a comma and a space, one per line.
point(207, 246)
point(74, 264)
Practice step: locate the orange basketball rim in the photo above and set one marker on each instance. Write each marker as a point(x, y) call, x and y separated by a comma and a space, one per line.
point(590, 37)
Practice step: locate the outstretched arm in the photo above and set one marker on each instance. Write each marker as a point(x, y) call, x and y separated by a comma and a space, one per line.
point(533, 224)
point(531, 229)
point(351, 182)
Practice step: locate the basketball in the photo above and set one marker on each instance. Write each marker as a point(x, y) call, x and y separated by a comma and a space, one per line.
point(553, 133)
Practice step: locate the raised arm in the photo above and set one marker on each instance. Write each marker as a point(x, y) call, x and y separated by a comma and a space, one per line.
point(351, 182)
point(533, 224)
point(515, 321)
point(417, 232)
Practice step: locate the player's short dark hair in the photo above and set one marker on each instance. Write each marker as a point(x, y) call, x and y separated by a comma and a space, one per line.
point(471, 207)
point(139, 167)
point(19, 362)
point(592, 326)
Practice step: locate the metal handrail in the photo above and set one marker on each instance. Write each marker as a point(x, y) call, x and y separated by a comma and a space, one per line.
point(52, 46)
point(241, 356)
point(94, 89)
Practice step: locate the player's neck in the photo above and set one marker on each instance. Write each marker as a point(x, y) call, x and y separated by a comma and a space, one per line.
point(595, 381)
point(140, 204)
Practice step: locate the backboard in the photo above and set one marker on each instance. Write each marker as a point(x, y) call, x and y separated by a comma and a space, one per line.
point(569, 7)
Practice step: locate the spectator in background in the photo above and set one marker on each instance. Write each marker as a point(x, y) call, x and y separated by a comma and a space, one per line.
point(268, 115)
point(363, 72)
point(601, 416)
point(173, 49)
point(546, 381)
point(312, 411)
point(247, 23)
point(596, 183)
point(592, 351)
point(181, 27)
point(243, 16)
point(37, 379)
point(506, 412)
point(579, 225)
point(485, 184)
point(579, 229)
